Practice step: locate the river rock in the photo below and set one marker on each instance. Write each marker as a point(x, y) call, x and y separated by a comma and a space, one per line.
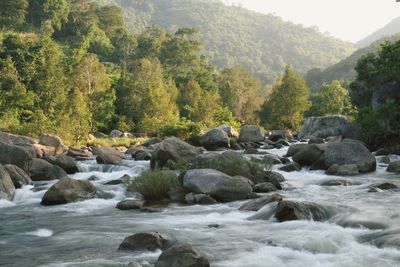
point(272, 177)
point(151, 141)
point(251, 133)
point(214, 139)
point(140, 153)
point(116, 133)
point(309, 154)
point(44, 171)
point(264, 188)
point(394, 166)
point(53, 141)
point(146, 241)
point(69, 190)
point(258, 203)
point(290, 210)
point(350, 152)
point(11, 154)
point(229, 130)
point(328, 126)
point(216, 184)
point(182, 255)
point(130, 205)
point(383, 187)
point(18, 176)
point(5, 138)
point(107, 155)
point(175, 150)
point(337, 182)
point(347, 170)
point(385, 160)
point(77, 152)
point(7, 188)
point(291, 167)
point(65, 162)
point(201, 199)
point(316, 140)
point(273, 159)
point(275, 135)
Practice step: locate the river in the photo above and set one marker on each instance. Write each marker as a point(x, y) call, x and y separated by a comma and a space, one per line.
point(88, 233)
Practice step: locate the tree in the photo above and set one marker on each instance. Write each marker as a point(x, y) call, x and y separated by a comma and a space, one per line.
point(12, 12)
point(146, 99)
point(91, 79)
point(55, 11)
point(239, 91)
point(288, 103)
point(332, 99)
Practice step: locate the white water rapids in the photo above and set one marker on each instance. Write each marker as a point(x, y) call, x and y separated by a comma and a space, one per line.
point(88, 233)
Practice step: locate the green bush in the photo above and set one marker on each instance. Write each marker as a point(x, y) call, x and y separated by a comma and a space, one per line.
point(234, 166)
point(184, 129)
point(154, 185)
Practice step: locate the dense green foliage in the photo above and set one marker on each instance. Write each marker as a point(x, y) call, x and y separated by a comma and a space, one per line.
point(376, 92)
point(288, 102)
point(330, 100)
point(262, 44)
point(154, 185)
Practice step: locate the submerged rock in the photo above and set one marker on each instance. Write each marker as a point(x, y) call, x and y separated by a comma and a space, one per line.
point(383, 187)
point(337, 182)
point(146, 241)
point(256, 204)
point(216, 184)
point(18, 175)
point(290, 210)
point(69, 190)
point(182, 255)
point(382, 239)
point(7, 188)
point(291, 167)
point(130, 205)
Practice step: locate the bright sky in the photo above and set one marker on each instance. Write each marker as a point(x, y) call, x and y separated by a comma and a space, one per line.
point(350, 20)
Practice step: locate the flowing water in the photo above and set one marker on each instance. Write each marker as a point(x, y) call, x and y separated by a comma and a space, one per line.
point(88, 233)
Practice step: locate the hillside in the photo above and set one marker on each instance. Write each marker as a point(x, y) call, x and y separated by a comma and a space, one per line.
point(390, 29)
point(344, 70)
point(261, 43)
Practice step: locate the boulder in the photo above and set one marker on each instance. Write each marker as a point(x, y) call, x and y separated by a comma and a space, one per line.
point(69, 190)
point(256, 204)
point(264, 188)
point(130, 205)
point(52, 141)
point(11, 154)
point(107, 155)
point(175, 150)
point(44, 171)
point(394, 167)
point(65, 162)
point(18, 176)
point(230, 131)
point(216, 184)
point(146, 241)
point(20, 140)
point(350, 152)
point(7, 188)
point(309, 154)
point(201, 199)
point(275, 135)
point(347, 170)
point(273, 159)
point(43, 151)
point(182, 255)
point(151, 141)
point(383, 187)
point(140, 153)
point(5, 138)
point(328, 126)
point(316, 140)
point(77, 152)
point(116, 133)
point(291, 167)
point(251, 133)
point(294, 149)
point(214, 139)
point(290, 210)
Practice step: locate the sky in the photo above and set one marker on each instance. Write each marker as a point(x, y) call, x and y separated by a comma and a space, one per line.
point(350, 20)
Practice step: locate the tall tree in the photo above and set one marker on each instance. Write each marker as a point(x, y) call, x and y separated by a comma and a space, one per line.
point(12, 12)
point(239, 91)
point(55, 11)
point(288, 103)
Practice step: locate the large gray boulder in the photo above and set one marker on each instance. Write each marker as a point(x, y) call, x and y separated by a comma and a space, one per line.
point(328, 126)
point(350, 152)
point(251, 133)
point(66, 163)
point(69, 190)
point(7, 188)
point(107, 155)
point(44, 171)
point(11, 154)
point(146, 241)
point(309, 154)
point(214, 139)
point(216, 184)
point(182, 255)
point(230, 131)
point(290, 210)
point(53, 141)
point(18, 176)
point(175, 150)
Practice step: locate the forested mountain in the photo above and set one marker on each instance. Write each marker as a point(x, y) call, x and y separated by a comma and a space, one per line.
point(261, 43)
point(344, 70)
point(390, 29)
